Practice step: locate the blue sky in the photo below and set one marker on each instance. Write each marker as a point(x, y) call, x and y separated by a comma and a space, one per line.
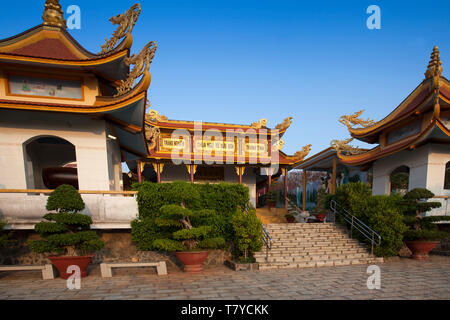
point(239, 61)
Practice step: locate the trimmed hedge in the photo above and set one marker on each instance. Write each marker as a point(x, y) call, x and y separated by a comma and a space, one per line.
point(384, 214)
point(217, 203)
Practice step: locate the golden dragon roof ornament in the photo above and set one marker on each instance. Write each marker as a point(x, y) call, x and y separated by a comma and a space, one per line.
point(154, 116)
point(152, 135)
point(278, 145)
point(126, 22)
point(300, 155)
point(285, 124)
point(343, 147)
point(53, 14)
point(141, 64)
point(353, 120)
point(261, 123)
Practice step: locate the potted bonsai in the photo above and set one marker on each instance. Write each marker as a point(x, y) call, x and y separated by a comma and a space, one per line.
point(66, 233)
point(321, 212)
point(272, 195)
point(422, 234)
point(182, 231)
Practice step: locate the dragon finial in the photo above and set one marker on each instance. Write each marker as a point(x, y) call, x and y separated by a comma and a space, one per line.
point(260, 124)
point(353, 120)
point(342, 146)
point(300, 155)
point(141, 64)
point(285, 124)
point(125, 22)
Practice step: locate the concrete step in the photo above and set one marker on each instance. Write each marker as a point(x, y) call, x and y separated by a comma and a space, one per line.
point(320, 263)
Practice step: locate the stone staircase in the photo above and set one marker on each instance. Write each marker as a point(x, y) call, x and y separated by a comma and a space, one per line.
point(302, 245)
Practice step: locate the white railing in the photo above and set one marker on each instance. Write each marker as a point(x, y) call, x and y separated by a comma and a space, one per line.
point(22, 208)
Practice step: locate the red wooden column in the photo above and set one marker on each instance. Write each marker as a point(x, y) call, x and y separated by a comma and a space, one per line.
point(285, 174)
point(158, 172)
point(191, 172)
point(239, 169)
point(138, 162)
point(269, 174)
point(304, 190)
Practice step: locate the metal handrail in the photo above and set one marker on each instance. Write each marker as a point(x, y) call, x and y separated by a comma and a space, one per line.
point(267, 241)
point(355, 223)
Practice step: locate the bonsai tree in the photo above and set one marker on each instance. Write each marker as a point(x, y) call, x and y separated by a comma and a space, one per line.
point(421, 227)
point(247, 234)
point(180, 229)
point(66, 231)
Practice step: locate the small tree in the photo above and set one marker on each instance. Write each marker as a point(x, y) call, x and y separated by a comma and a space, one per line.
point(247, 234)
point(176, 228)
point(66, 231)
point(420, 226)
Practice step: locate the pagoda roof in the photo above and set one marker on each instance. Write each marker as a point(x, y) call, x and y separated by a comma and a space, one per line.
point(433, 90)
point(437, 131)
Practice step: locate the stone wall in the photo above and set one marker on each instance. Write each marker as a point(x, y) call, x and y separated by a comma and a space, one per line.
point(118, 247)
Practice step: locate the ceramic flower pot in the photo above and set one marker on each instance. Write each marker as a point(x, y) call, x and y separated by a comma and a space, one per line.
point(62, 263)
point(420, 249)
point(192, 260)
point(321, 216)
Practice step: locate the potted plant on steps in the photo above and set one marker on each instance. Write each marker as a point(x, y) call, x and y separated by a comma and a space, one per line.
point(66, 232)
point(183, 232)
point(423, 234)
point(290, 218)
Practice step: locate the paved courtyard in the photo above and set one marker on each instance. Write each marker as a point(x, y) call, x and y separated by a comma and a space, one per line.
point(400, 279)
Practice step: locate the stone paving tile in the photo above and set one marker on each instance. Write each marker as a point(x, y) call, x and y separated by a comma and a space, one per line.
point(400, 279)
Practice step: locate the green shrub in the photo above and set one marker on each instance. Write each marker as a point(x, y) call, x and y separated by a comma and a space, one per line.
point(383, 214)
point(247, 234)
point(3, 237)
point(222, 198)
point(420, 226)
point(66, 231)
point(176, 228)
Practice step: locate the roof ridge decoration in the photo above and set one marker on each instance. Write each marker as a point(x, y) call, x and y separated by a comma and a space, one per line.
point(434, 68)
point(154, 116)
point(141, 63)
point(353, 120)
point(261, 123)
point(53, 14)
point(300, 155)
point(126, 22)
point(434, 72)
point(285, 124)
point(152, 135)
point(343, 147)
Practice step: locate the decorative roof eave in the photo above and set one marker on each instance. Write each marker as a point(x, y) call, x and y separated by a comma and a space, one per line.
point(53, 107)
point(377, 152)
point(95, 61)
point(433, 88)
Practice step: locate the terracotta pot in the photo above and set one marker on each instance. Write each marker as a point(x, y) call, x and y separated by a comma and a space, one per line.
point(291, 220)
point(192, 260)
point(420, 249)
point(62, 263)
point(321, 216)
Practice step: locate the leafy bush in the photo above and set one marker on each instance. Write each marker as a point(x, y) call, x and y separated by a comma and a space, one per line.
point(247, 234)
point(3, 237)
point(176, 228)
point(383, 214)
point(66, 231)
point(222, 198)
point(420, 226)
